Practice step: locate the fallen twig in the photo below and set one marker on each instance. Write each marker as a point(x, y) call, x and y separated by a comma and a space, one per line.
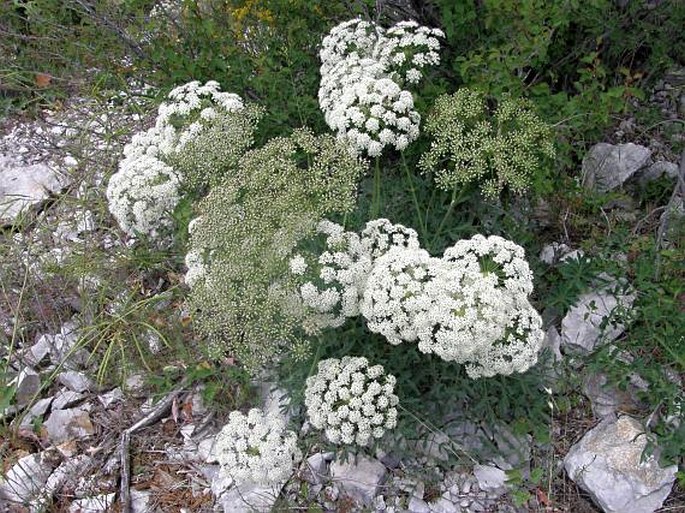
point(159, 410)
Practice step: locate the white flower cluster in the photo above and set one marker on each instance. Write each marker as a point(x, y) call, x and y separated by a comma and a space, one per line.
point(343, 269)
point(470, 306)
point(256, 448)
point(145, 190)
point(142, 195)
point(363, 73)
point(352, 401)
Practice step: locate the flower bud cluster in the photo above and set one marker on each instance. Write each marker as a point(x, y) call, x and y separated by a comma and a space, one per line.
point(503, 147)
point(364, 72)
point(351, 400)
point(256, 448)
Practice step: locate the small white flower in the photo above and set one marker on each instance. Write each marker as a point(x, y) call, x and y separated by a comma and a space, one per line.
point(256, 448)
point(350, 416)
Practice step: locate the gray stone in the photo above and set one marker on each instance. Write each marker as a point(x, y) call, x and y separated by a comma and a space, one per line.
point(249, 499)
point(97, 504)
point(113, 396)
point(22, 186)
point(552, 341)
point(28, 386)
point(658, 170)
point(606, 400)
point(359, 478)
point(37, 410)
point(553, 252)
point(76, 381)
point(38, 351)
point(607, 463)
point(71, 424)
point(417, 505)
point(67, 471)
point(591, 322)
point(513, 451)
point(315, 468)
point(607, 166)
point(140, 501)
point(66, 398)
point(26, 478)
point(135, 385)
point(490, 479)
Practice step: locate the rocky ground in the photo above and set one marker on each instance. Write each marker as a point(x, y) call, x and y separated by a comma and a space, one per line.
point(70, 443)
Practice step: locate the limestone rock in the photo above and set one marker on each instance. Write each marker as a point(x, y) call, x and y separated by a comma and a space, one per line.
point(25, 479)
point(359, 478)
point(658, 170)
point(607, 166)
point(35, 411)
point(97, 504)
point(490, 479)
point(28, 385)
point(65, 425)
point(249, 499)
point(592, 320)
point(606, 463)
point(76, 381)
point(607, 400)
point(315, 468)
point(24, 185)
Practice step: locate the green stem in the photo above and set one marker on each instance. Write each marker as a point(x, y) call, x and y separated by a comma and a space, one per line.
point(410, 181)
point(376, 198)
point(456, 199)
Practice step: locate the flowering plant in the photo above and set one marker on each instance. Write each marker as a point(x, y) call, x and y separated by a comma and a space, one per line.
point(256, 448)
point(352, 401)
point(363, 74)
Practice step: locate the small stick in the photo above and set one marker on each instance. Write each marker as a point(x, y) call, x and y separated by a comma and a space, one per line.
point(124, 456)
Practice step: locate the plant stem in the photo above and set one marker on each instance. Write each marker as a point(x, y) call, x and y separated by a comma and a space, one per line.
point(376, 198)
point(456, 199)
point(410, 181)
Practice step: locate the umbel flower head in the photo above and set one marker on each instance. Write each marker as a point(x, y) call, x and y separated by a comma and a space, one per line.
point(199, 133)
point(335, 282)
point(351, 401)
point(256, 448)
point(243, 295)
point(365, 72)
point(142, 195)
point(504, 147)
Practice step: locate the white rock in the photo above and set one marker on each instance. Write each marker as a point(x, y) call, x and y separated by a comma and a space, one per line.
point(658, 170)
point(66, 471)
point(359, 479)
point(65, 425)
point(606, 463)
point(490, 479)
point(24, 185)
point(417, 505)
point(98, 504)
point(65, 398)
point(552, 340)
point(35, 411)
point(113, 396)
point(249, 499)
point(140, 501)
point(591, 321)
point(25, 480)
point(553, 252)
point(607, 167)
point(39, 350)
point(28, 385)
point(315, 468)
point(607, 400)
point(76, 381)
